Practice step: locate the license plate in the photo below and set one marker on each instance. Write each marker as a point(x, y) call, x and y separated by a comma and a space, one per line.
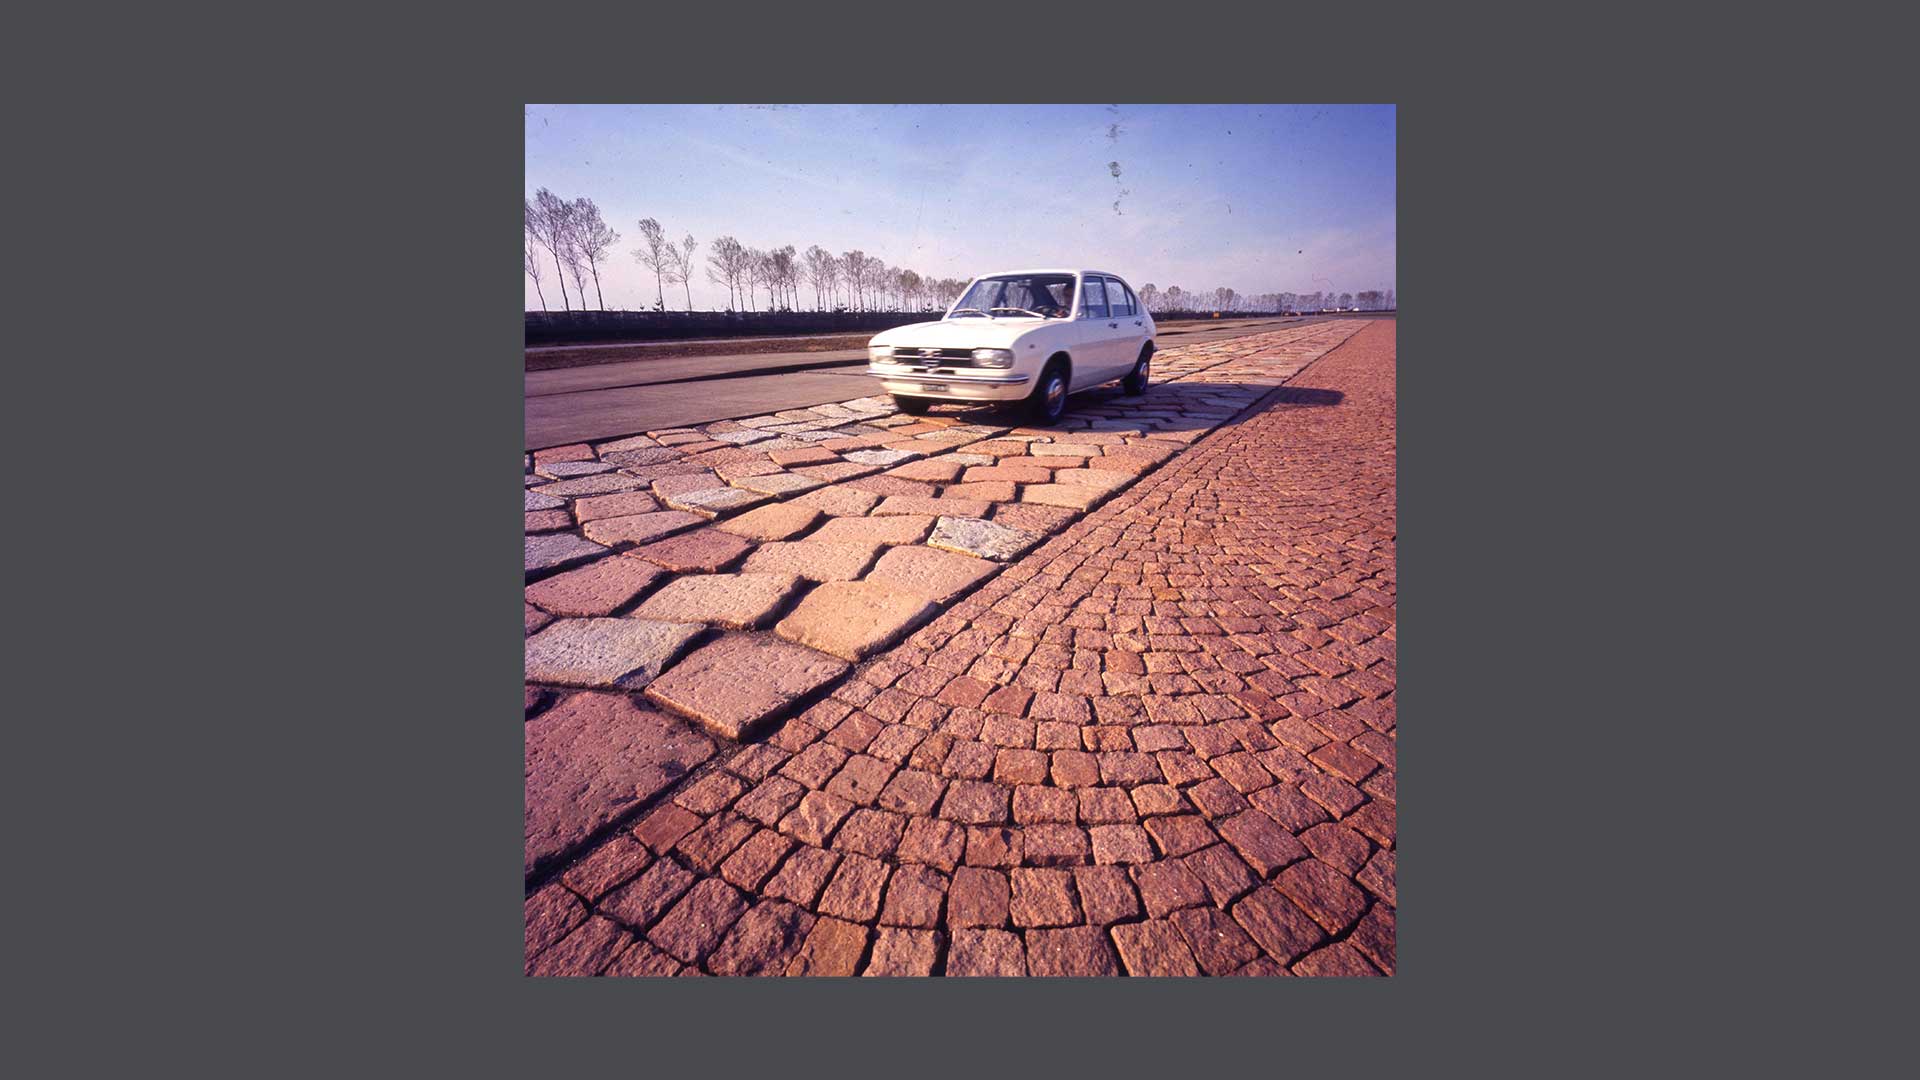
point(934, 387)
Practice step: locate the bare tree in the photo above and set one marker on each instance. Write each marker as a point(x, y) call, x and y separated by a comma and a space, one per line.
point(549, 220)
point(591, 242)
point(1149, 296)
point(724, 265)
point(818, 263)
point(785, 269)
point(657, 255)
point(854, 265)
point(752, 273)
point(533, 270)
point(680, 266)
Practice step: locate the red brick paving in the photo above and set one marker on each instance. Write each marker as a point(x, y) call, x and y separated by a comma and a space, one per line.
point(1161, 743)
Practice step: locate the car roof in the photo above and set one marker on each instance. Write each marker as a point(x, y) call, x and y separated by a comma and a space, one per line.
point(1045, 270)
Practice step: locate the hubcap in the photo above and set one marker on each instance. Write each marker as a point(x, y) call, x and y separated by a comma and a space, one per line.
point(1056, 394)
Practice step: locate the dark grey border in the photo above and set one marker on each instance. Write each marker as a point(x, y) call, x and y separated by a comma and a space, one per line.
point(367, 862)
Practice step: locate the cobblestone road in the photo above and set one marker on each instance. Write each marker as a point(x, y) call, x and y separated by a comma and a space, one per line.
point(1160, 742)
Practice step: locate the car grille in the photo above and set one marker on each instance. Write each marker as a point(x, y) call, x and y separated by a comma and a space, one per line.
point(945, 357)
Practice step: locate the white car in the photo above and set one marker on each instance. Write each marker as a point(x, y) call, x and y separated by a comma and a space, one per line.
point(1025, 335)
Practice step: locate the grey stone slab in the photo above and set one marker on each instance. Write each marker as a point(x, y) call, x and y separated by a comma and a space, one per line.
point(780, 442)
point(603, 484)
point(880, 457)
point(624, 654)
point(547, 552)
point(780, 483)
point(567, 470)
point(984, 539)
point(742, 436)
point(537, 501)
point(658, 455)
point(713, 502)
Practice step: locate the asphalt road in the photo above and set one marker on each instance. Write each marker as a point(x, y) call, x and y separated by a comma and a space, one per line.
point(603, 401)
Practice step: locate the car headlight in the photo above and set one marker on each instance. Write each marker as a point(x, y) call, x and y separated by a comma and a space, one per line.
point(997, 358)
point(879, 352)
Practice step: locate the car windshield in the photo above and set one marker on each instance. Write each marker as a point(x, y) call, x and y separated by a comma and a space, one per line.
point(1049, 296)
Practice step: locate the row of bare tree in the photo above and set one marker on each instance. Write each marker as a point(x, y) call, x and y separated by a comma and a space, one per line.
point(1174, 298)
point(850, 281)
point(577, 241)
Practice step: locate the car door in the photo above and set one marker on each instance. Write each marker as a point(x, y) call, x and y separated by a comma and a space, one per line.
point(1123, 309)
point(1100, 340)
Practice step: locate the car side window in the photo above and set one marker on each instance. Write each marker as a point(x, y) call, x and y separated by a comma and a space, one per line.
point(1119, 300)
point(1093, 298)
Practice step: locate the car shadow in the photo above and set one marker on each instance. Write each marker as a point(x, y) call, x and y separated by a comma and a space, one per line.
point(1107, 397)
point(1307, 395)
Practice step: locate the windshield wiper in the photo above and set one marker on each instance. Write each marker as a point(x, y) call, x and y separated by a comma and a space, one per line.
point(964, 310)
point(1023, 311)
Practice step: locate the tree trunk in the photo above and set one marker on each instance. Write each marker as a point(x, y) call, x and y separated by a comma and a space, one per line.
point(689, 289)
point(561, 273)
point(543, 295)
point(595, 267)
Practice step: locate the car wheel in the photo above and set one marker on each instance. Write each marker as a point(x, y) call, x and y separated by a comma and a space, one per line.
point(1049, 400)
point(913, 406)
point(1136, 381)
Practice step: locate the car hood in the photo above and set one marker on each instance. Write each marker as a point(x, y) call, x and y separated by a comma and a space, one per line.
point(970, 332)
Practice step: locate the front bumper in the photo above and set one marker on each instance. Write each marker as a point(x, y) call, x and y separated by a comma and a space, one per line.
point(951, 385)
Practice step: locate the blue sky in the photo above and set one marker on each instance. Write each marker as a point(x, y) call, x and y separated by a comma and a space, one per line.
point(1260, 198)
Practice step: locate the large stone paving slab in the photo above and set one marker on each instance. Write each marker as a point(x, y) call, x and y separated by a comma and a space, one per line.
point(779, 483)
point(737, 683)
point(604, 484)
point(591, 759)
point(855, 619)
point(982, 539)
point(814, 560)
point(900, 529)
point(777, 522)
point(714, 502)
point(625, 504)
point(548, 552)
point(736, 601)
point(840, 501)
point(598, 588)
point(1070, 496)
point(642, 528)
point(938, 576)
point(605, 653)
point(702, 551)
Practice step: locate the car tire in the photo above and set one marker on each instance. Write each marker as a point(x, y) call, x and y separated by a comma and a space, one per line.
point(1136, 381)
point(1048, 402)
point(913, 406)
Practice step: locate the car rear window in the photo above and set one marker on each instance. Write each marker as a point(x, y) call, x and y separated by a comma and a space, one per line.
point(1119, 299)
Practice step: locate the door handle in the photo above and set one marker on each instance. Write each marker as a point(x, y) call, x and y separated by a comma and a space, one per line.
point(1113, 326)
point(1137, 322)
